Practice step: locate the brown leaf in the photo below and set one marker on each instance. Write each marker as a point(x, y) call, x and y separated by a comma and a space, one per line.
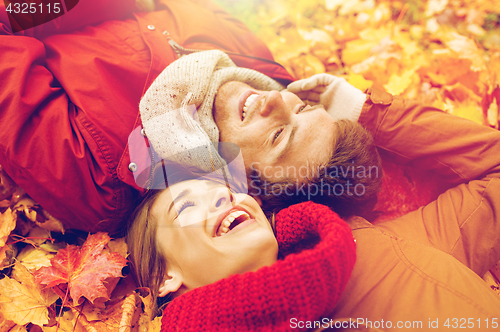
point(119, 315)
point(119, 246)
point(7, 185)
point(6, 325)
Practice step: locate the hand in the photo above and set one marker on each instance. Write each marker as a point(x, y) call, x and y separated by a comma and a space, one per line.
point(341, 99)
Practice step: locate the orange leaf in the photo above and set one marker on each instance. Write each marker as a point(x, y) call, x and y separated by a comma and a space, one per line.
point(83, 269)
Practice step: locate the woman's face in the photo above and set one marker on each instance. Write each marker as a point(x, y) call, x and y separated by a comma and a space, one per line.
point(208, 234)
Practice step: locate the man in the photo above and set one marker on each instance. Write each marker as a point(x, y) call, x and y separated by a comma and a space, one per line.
point(70, 89)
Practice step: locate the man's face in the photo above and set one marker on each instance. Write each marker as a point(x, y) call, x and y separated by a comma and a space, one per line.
point(279, 135)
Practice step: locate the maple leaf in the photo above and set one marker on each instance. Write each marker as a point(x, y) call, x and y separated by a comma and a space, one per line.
point(22, 300)
point(83, 269)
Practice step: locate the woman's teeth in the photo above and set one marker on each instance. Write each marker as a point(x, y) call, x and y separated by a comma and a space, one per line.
point(226, 223)
point(248, 102)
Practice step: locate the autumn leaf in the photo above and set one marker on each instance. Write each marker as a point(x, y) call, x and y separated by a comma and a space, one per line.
point(83, 269)
point(469, 111)
point(7, 186)
point(7, 225)
point(22, 300)
point(492, 114)
point(398, 83)
point(34, 258)
point(6, 325)
point(119, 315)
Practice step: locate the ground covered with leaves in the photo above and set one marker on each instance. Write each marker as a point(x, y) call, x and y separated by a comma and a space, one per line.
point(442, 52)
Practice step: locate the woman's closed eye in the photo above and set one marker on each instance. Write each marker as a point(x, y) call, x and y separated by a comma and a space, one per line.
point(185, 204)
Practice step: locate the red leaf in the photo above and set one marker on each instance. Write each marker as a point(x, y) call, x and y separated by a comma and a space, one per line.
point(83, 269)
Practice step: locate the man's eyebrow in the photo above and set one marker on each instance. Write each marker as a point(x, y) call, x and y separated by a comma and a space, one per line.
point(288, 144)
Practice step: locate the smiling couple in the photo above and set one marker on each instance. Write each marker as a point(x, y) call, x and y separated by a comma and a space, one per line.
point(214, 253)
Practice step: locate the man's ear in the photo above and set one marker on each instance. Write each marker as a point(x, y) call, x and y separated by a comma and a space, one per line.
point(171, 284)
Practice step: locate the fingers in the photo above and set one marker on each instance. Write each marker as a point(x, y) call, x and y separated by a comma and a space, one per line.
point(318, 80)
point(311, 96)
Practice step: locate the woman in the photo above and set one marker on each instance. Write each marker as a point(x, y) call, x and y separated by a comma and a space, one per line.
point(216, 257)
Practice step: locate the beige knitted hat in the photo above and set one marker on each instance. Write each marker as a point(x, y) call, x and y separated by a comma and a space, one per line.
point(176, 110)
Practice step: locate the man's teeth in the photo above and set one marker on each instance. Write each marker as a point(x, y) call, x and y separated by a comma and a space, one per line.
point(226, 223)
point(248, 102)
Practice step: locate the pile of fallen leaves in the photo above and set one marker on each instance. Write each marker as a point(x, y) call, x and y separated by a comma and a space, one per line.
point(442, 52)
point(52, 280)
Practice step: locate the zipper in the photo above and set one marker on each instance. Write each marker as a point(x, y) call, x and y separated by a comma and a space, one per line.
point(180, 51)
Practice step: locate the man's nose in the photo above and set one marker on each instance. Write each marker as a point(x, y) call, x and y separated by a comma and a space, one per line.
point(221, 199)
point(274, 105)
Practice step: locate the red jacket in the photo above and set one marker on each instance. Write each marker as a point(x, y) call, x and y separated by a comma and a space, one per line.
point(70, 90)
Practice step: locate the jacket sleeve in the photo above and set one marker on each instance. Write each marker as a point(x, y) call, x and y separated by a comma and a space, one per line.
point(465, 220)
point(305, 286)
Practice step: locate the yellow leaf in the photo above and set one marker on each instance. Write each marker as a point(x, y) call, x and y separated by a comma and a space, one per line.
point(38, 235)
point(7, 225)
point(68, 322)
point(359, 81)
point(317, 38)
point(155, 324)
point(493, 114)
point(409, 46)
point(470, 111)
point(357, 51)
point(476, 30)
point(34, 258)
point(306, 65)
point(398, 83)
point(435, 7)
point(22, 300)
point(145, 323)
point(466, 49)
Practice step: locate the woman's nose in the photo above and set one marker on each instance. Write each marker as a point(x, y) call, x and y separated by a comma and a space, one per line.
point(274, 105)
point(221, 198)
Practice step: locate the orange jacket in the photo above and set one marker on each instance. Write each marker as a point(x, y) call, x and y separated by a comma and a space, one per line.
point(421, 271)
point(70, 90)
